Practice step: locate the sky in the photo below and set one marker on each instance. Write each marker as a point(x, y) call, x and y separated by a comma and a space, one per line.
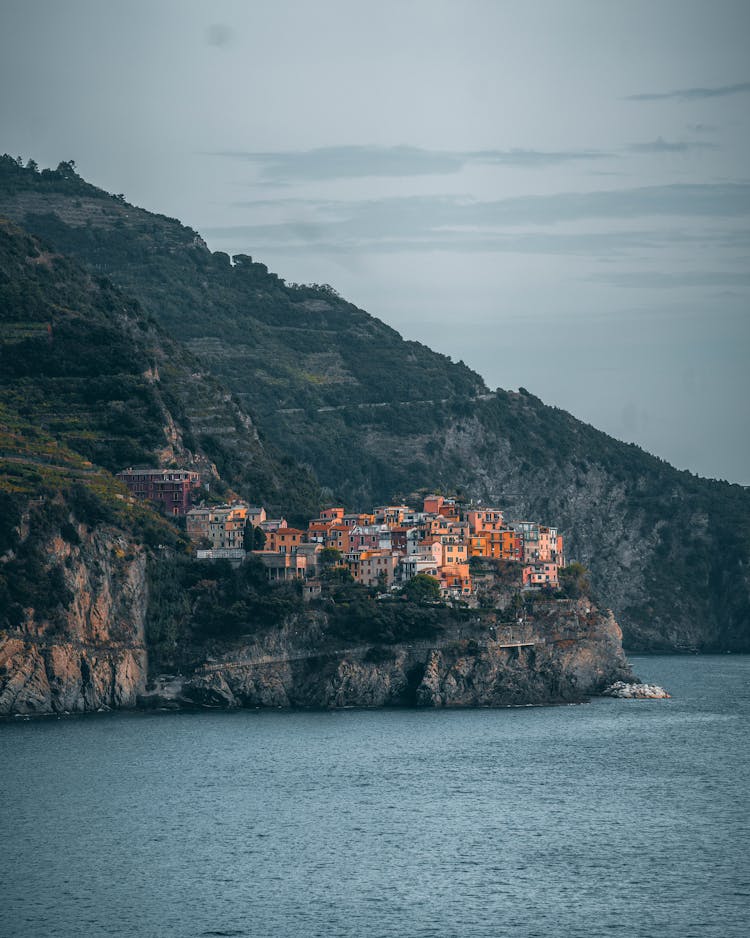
point(556, 193)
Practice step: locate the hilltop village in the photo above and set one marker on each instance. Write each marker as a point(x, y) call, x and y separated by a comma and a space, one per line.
point(385, 548)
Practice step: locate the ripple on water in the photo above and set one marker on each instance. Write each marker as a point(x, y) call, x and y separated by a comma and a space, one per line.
point(610, 818)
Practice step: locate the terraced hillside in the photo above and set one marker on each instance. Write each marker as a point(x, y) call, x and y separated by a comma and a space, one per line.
point(83, 365)
point(374, 417)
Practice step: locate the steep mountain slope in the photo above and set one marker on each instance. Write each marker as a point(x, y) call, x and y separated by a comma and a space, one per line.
point(374, 416)
point(98, 591)
point(88, 385)
point(82, 362)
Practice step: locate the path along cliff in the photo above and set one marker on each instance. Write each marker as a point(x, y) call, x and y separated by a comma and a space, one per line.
point(90, 651)
point(560, 652)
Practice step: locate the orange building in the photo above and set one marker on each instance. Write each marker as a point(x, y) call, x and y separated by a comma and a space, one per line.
point(357, 520)
point(511, 545)
point(437, 505)
point(478, 545)
point(486, 519)
point(438, 527)
point(340, 537)
point(455, 579)
point(332, 514)
point(497, 545)
point(455, 551)
point(317, 530)
point(432, 504)
point(284, 540)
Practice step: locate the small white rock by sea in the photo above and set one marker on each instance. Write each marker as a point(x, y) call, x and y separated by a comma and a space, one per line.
point(636, 691)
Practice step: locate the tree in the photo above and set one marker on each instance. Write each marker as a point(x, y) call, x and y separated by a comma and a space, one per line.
point(336, 575)
point(422, 588)
point(330, 557)
point(574, 580)
point(67, 169)
point(255, 538)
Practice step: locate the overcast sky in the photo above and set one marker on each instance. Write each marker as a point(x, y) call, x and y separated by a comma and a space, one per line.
point(555, 192)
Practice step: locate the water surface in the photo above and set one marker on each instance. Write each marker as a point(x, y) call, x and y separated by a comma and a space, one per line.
point(610, 818)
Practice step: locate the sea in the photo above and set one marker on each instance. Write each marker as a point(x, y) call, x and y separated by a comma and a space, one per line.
point(614, 817)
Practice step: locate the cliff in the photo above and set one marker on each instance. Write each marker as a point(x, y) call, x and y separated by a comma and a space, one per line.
point(371, 416)
point(78, 644)
point(562, 652)
point(88, 615)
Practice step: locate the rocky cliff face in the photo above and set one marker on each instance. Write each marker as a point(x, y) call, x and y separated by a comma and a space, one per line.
point(371, 415)
point(568, 651)
point(86, 650)
point(578, 652)
point(667, 551)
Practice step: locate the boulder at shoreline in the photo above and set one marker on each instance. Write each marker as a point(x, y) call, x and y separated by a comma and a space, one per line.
point(636, 691)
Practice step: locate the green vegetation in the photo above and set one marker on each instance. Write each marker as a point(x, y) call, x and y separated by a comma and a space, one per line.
point(341, 401)
point(26, 578)
point(191, 604)
point(82, 362)
point(422, 589)
point(278, 347)
point(574, 581)
point(357, 615)
point(255, 538)
point(30, 578)
point(195, 606)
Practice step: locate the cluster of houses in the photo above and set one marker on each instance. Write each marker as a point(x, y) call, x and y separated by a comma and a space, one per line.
point(385, 548)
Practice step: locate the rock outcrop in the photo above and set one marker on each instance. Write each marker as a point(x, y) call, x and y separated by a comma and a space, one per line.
point(563, 651)
point(89, 654)
point(636, 691)
point(371, 414)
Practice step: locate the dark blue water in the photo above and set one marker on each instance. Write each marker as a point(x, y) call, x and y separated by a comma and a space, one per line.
point(611, 818)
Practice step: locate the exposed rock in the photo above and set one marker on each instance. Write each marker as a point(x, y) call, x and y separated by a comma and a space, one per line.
point(210, 690)
point(636, 691)
point(576, 654)
point(163, 692)
point(573, 652)
point(93, 655)
point(435, 424)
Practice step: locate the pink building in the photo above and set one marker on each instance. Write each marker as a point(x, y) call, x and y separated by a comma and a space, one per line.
point(541, 574)
point(373, 567)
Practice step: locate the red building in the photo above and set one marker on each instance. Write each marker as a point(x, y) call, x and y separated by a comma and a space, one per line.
point(170, 489)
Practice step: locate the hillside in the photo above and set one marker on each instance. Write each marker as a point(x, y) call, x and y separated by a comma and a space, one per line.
point(88, 385)
point(374, 417)
point(82, 363)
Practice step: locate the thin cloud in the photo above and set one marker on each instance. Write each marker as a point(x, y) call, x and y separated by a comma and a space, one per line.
point(609, 245)
point(720, 199)
point(349, 162)
point(660, 145)
point(531, 158)
point(430, 222)
point(652, 279)
point(692, 94)
point(702, 128)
